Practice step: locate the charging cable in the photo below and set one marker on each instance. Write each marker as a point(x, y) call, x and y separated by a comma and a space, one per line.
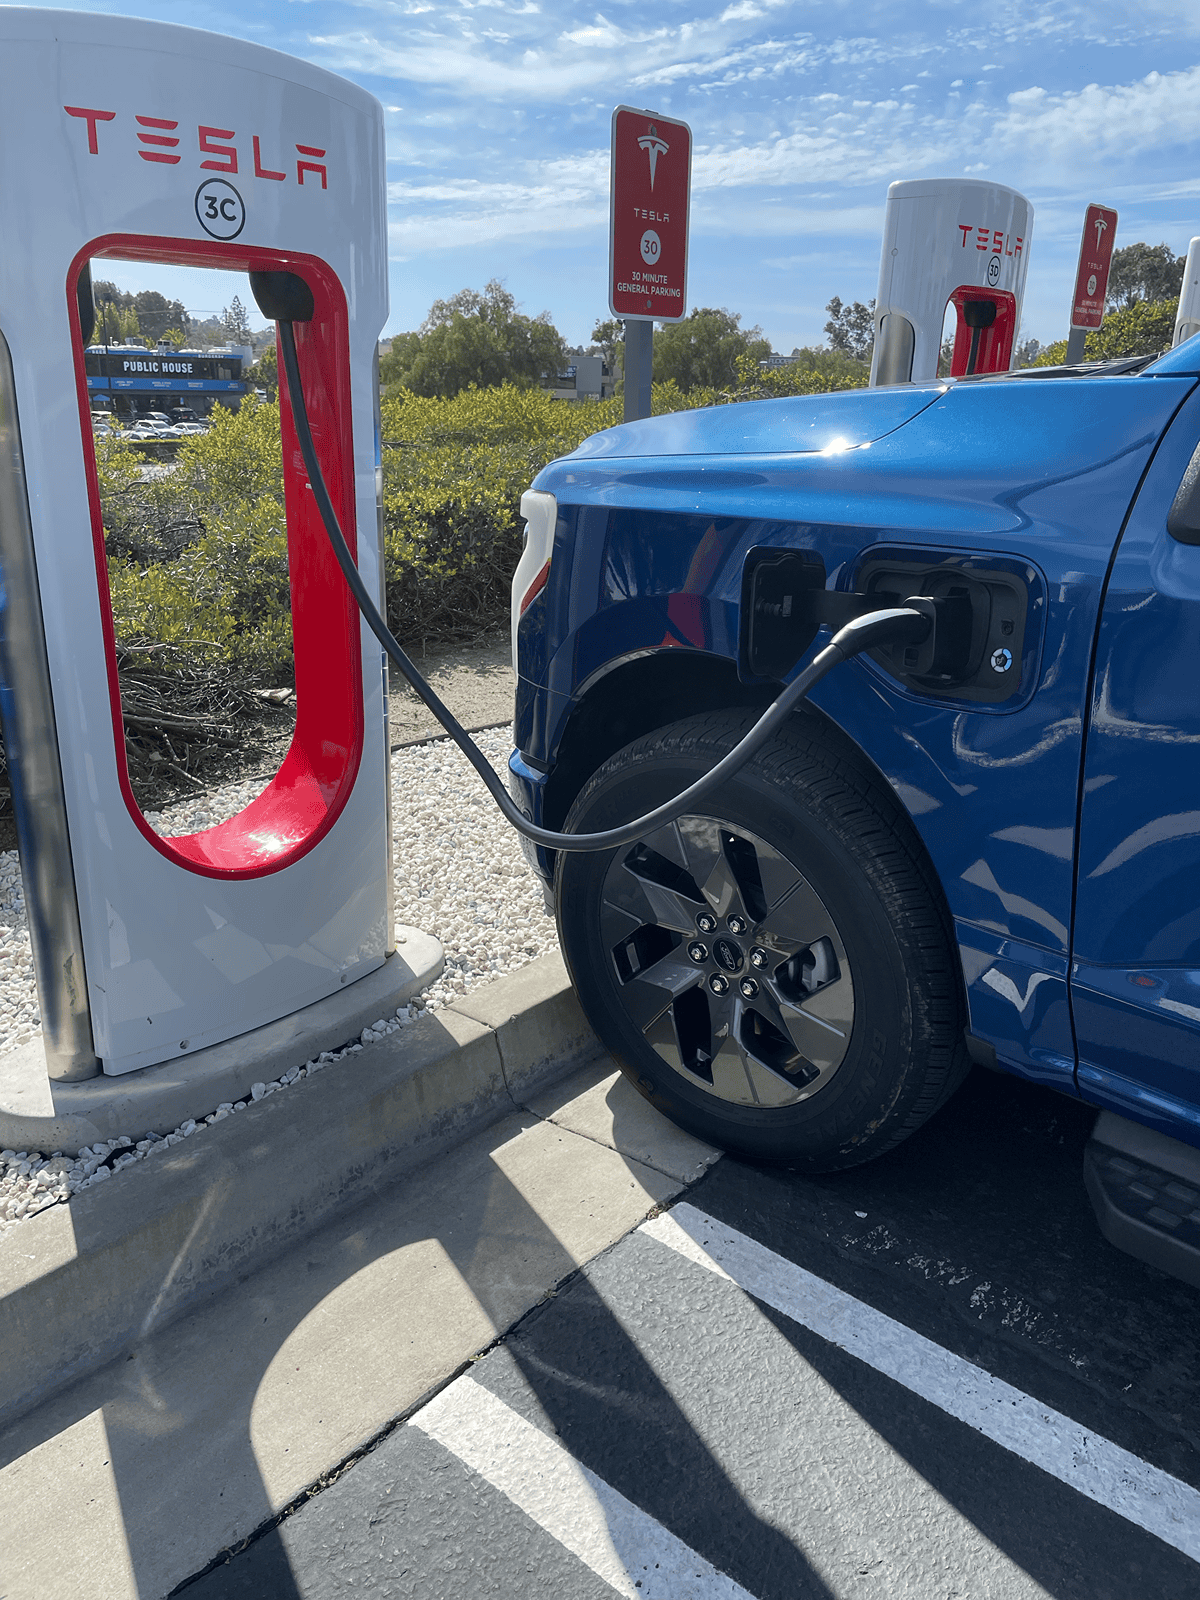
point(908, 624)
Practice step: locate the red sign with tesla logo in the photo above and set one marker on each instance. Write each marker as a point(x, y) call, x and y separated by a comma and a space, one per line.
point(648, 218)
point(1095, 259)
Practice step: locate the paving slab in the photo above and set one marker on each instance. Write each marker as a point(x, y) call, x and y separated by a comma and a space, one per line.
point(603, 1105)
point(136, 1477)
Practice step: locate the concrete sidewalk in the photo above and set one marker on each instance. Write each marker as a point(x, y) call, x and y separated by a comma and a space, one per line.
point(141, 1474)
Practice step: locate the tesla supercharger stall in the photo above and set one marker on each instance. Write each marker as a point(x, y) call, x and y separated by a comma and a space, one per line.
point(1187, 318)
point(950, 242)
point(151, 143)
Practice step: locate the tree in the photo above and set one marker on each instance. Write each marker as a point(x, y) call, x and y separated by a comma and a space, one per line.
point(832, 366)
point(851, 328)
point(703, 349)
point(1144, 272)
point(116, 318)
point(264, 374)
point(474, 338)
point(156, 314)
point(235, 323)
point(609, 339)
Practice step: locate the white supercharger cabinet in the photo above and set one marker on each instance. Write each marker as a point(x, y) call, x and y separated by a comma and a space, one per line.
point(1187, 318)
point(148, 142)
point(949, 240)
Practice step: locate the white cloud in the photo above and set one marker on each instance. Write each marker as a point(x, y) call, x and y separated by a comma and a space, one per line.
point(1119, 119)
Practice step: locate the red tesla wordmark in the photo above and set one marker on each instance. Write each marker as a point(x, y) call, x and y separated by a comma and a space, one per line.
point(157, 138)
point(230, 162)
point(91, 118)
point(992, 239)
point(259, 170)
point(307, 166)
point(166, 140)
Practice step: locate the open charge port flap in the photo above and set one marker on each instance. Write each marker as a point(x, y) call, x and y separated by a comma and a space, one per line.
point(777, 626)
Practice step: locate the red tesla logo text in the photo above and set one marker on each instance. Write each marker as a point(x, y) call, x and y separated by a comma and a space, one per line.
point(160, 142)
point(993, 239)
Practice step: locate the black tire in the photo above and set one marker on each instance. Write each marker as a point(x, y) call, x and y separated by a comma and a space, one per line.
point(804, 890)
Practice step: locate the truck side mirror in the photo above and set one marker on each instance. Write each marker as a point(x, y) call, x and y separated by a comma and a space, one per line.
point(1183, 519)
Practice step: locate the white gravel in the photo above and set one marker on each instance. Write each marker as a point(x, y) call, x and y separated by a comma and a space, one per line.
point(459, 874)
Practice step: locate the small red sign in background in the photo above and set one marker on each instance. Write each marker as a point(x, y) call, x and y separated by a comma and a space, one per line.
point(1095, 260)
point(648, 231)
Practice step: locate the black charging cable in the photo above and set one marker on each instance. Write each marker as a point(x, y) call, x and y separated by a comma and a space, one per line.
point(908, 624)
point(978, 315)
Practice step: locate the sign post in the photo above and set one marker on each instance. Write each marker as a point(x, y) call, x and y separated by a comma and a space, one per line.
point(1091, 278)
point(649, 197)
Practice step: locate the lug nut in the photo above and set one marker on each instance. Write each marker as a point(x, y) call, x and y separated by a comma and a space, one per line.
point(748, 987)
point(706, 923)
point(698, 951)
point(758, 957)
point(736, 924)
point(718, 984)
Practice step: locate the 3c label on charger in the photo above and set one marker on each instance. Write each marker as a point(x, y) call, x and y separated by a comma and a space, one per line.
point(220, 209)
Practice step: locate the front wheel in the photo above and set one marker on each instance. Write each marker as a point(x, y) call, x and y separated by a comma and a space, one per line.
point(775, 974)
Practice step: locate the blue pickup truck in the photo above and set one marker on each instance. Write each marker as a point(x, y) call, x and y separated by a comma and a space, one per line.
point(980, 848)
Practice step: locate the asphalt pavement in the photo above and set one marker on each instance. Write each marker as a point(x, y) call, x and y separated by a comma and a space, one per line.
point(928, 1378)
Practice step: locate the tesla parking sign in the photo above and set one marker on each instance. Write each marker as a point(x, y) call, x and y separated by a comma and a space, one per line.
point(1095, 260)
point(648, 216)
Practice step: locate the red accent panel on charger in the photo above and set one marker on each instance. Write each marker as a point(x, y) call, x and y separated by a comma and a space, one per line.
point(306, 795)
point(995, 343)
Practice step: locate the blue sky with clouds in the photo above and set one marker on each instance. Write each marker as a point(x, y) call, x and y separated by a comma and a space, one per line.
point(498, 125)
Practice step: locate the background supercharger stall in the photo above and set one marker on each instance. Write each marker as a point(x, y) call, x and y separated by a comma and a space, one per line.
point(941, 236)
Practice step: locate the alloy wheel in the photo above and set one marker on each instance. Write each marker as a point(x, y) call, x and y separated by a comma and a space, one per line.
point(728, 962)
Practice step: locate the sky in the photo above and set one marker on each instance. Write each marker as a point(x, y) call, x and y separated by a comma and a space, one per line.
point(498, 121)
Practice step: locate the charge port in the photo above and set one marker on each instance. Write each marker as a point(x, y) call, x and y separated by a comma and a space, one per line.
point(975, 650)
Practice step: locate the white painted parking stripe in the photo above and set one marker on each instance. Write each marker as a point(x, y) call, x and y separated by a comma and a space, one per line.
point(1097, 1468)
point(628, 1549)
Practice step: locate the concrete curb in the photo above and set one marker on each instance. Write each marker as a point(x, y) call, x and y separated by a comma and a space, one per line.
point(81, 1283)
point(37, 1114)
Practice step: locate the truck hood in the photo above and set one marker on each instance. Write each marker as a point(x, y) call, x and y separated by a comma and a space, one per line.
point(801, 424)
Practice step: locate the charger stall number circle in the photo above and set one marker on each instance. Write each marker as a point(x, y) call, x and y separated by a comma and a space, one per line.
point(220, 209)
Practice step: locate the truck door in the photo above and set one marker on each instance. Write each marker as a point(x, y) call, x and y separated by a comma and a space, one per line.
point(1135, 985)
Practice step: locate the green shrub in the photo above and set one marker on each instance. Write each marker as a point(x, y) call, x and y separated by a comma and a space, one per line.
point(1144, 328)
point(197, 557)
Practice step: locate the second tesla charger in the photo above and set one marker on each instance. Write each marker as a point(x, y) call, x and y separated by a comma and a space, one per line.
point(950, 241)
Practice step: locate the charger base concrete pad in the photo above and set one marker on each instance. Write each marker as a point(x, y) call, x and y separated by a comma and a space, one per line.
point(39, 1114)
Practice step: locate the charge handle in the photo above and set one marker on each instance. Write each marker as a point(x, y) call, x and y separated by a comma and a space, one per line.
point(282, 296)
point(978, 315)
